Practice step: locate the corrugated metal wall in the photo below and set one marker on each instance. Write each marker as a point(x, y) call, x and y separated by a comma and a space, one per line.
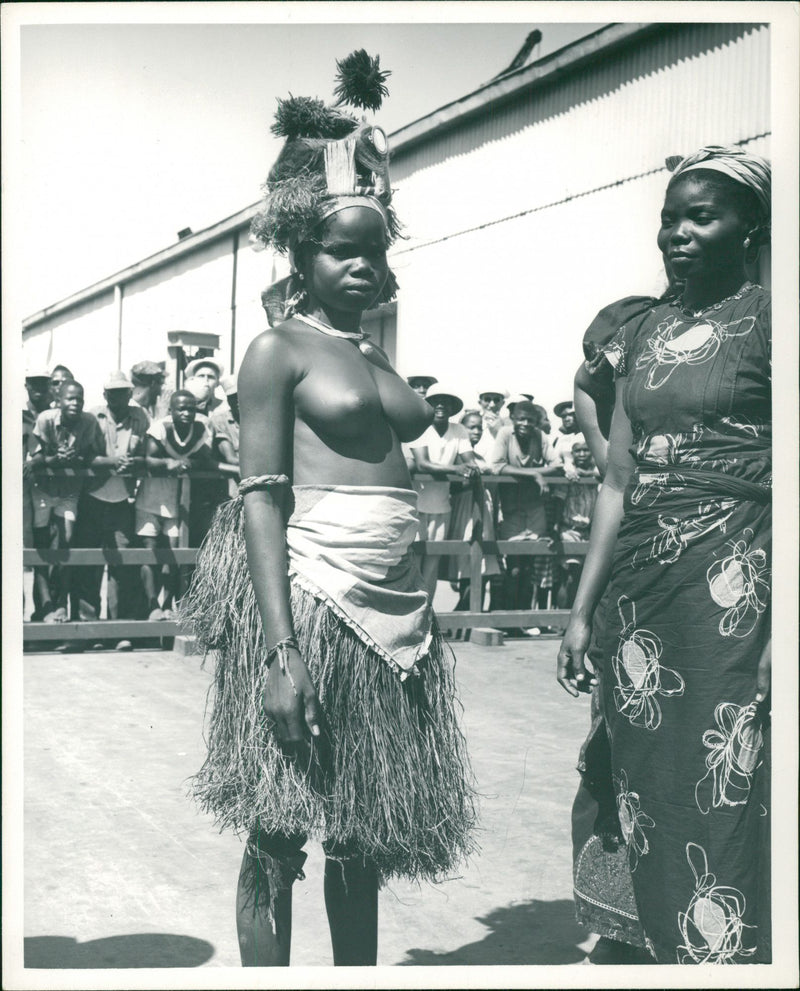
point(522, 222)
point(517, 240)
point(742, 86)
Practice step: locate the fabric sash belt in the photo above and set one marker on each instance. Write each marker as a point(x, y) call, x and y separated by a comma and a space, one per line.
point(716, 482)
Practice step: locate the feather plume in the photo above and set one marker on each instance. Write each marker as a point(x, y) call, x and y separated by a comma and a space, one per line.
point(360, 81)
point(307, 117)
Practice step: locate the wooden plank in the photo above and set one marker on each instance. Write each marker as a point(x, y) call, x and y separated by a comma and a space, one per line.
point(503, 618)
point(111, 629)
point(109, 555)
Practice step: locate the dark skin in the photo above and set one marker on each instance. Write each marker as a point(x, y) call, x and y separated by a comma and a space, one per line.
point(71, 406)
point(57, 379)
point(702, 236)
point(184, 412)
point(319, 409)
point(118, 402)
point(524, 425)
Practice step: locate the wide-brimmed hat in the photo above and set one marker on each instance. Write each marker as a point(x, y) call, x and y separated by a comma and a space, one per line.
point(36, 371)
point(191, 368)
point(518, 397)
point(494, 392)
point(117, 380)
point(566, 407)
point(442, 392)
point(428, 379)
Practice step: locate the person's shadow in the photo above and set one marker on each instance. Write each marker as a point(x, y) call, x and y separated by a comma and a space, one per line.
point(532, 932)
point(135, 950)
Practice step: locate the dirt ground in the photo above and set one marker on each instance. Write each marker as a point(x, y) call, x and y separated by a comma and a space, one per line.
point(122, 871)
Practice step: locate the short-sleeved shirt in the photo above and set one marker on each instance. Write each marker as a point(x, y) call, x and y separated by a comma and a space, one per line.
point(50, 436)
point(123, 438)
point(523, 504)
point(159, 495)
point(563, 443)
point(444, 449)
point(226, 428)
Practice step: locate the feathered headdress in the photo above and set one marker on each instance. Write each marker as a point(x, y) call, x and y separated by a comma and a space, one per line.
point(329, 153)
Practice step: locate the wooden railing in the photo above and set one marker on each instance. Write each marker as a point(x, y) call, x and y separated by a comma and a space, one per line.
point(477, 549)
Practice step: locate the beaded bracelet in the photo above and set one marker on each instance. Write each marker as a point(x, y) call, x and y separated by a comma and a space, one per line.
point(254, 482)
point(279, 650)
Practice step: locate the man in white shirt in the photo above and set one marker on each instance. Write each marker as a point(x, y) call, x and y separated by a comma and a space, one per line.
point(444, 447)
point(491, 401)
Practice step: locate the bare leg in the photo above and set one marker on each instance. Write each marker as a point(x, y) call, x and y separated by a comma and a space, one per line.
point(170, 578)
point(43, 538)
point(148, 573)
point(351, 900)
point(270, 865)
point(259, 945)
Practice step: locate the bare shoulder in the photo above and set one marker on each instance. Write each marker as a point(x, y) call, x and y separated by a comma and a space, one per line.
point(273, 354)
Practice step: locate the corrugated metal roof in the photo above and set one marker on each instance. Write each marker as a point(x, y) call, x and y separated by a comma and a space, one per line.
point(544, 91)
point(505, 110)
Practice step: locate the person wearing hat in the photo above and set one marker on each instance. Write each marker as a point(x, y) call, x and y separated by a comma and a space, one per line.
point(523, 452)
point(58, 376)
point(566, 436)
point(444, 447)
point(201, 378)
point(225, 426)
point(490, 401)
point(147, 378)
point(106, 511)
point(421, 383)
point(37, 386)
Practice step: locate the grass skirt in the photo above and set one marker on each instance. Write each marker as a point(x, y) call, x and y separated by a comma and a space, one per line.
point(388, 779)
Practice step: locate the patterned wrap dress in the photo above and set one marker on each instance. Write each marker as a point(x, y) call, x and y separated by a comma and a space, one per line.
point(687, 619)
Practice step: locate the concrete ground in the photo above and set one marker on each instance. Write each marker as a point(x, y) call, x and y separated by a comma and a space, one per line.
point(122, 871)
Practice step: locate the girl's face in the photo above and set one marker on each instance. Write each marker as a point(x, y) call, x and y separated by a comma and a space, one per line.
point(702, 233)
point(348, 267)
point(474, 427)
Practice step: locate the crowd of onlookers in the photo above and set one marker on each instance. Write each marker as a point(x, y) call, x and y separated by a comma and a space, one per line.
point(508, 436)
point(145, 438)
point(138, 444)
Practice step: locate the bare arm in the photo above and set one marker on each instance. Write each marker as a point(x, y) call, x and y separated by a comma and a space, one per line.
point(267, 381)
point(594, 405)
point(597, 567)
point(465, 463)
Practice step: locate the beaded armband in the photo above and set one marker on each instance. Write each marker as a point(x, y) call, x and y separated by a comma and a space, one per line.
point(255, 482)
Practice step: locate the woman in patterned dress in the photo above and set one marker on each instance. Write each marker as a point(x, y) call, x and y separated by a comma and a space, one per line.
point(682, 534)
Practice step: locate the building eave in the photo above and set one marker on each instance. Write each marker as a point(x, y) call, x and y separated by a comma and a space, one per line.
point(509, 85)
point(512, 84)
point(216, 232)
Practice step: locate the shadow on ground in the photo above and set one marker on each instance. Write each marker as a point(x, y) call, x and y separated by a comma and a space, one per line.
point(136, 950)
point(533, 932)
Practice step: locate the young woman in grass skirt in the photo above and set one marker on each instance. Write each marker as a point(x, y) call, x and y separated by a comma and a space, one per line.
point(334, 707)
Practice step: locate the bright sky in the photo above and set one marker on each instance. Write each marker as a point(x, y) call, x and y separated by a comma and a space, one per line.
point(131, 132)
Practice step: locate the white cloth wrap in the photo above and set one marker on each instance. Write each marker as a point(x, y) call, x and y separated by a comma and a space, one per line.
point(350, 546)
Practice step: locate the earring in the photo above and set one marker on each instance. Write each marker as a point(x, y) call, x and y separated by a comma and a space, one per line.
point(747, 242)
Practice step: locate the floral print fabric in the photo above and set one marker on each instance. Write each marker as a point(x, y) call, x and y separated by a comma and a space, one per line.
point(687, 620)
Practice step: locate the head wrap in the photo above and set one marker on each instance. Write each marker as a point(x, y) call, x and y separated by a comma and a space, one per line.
point(749, 170)
point(331, 160)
